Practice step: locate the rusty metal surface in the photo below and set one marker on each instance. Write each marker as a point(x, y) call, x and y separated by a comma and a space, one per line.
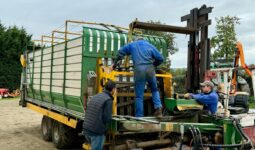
point(164, 28)
point(133, 144)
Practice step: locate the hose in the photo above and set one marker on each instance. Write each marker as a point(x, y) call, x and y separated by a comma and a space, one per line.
point(194, 139)
point(245, 145)
point(223, 145)
point(200, 137)
point(195, 136)
point(240, 131)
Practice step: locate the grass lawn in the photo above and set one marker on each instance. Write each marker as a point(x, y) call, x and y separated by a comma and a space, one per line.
point(251, 102)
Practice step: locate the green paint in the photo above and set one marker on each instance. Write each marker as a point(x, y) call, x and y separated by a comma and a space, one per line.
point(91, 37)
point(64, 80)
point(41, 74)
point(230, 132)
point(51, 72)
point(32, 83)
point(171, 103)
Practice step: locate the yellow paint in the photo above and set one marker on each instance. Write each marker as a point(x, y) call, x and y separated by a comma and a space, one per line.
point(114, 108)
point(86, 146)
point(104, 73)
point(99, 73)
point(169, 127)
point(167, 84)
point(198, 106)
point(58, 117)
point(23, 61)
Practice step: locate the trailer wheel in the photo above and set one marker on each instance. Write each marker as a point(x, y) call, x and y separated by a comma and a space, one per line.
point(46, 128)
point(63, 136)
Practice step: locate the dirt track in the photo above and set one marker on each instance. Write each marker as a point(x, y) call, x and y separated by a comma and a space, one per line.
point(20, 128)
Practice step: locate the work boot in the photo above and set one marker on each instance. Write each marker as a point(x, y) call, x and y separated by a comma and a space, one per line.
point(158, 113)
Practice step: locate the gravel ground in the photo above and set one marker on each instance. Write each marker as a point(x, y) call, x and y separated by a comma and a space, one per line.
point(20, 128)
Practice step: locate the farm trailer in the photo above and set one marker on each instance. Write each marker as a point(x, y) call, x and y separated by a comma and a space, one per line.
point(58, 81)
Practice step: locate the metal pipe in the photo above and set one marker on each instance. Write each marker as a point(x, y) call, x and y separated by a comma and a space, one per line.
point(144, 144)
point(43, 41)
point(74, 33)
point(53, 37)
point(95, 23)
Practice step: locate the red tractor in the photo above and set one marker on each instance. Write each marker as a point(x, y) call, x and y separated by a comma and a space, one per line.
point(4, 92)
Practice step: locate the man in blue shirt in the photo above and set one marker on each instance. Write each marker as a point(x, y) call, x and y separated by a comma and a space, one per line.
point(208, 97)
point(145, 57)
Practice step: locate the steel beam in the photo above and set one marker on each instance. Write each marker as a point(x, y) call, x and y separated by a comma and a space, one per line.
point(163, 28)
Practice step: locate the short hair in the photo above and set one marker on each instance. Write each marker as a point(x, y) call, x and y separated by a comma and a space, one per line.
point(109, 85)
point(137, 37)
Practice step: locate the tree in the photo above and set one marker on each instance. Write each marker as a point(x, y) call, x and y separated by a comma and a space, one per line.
point(169, 38)
point(179, 76)
point(224, 42)
point(12, 41)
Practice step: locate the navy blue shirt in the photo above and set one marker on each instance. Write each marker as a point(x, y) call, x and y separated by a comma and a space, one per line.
point(142, 52)
point(210, 100)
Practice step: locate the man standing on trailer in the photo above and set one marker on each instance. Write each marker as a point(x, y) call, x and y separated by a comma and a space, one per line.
point(98, 114)
point(145, 57)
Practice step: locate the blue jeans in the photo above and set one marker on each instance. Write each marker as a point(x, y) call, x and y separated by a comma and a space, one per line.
point(96, 141)
point(143, 74)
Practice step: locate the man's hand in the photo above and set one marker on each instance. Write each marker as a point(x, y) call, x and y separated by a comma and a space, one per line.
point(111, 68)
point(187, 96)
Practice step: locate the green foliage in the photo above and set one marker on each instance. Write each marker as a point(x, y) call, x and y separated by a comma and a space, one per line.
point(12, 41)
point(225, 41)
point(251, 102)
point(179, 79)
point(178, 71)
point(169, 37)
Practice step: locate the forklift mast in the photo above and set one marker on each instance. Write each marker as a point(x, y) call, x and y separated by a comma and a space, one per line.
point(198, 63)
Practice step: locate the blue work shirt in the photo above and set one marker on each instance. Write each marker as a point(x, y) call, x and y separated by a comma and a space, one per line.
point(210, 100)
point(142, 52)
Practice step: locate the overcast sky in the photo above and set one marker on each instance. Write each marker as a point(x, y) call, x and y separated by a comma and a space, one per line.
point(42, 16)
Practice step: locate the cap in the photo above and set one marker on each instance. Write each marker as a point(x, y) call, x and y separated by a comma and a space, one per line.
point(207, 83)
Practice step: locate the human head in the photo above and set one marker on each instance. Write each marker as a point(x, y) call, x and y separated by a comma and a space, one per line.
point(110, 86)
point(207, 86)
point(138, 37)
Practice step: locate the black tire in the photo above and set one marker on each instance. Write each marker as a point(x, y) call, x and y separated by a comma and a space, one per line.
point(63, 136)
point(46, 128)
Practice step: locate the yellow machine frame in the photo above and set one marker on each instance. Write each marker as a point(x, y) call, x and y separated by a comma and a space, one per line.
point(56, 116)
point(105, 73)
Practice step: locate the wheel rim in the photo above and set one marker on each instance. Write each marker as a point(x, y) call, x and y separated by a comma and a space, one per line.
point(56, 133)
point(44, 128)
